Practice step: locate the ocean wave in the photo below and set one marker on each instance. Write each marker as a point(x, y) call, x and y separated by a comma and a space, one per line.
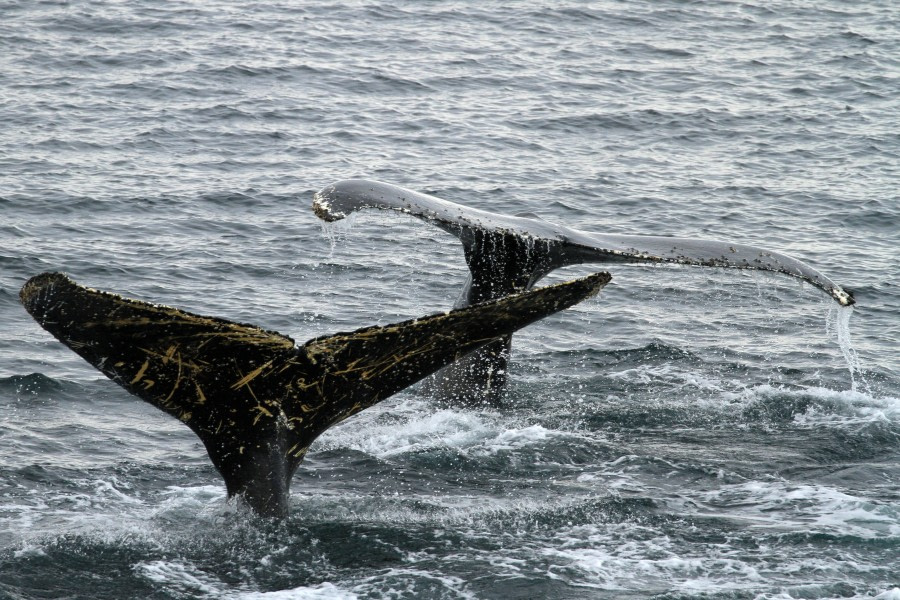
point(34, 384)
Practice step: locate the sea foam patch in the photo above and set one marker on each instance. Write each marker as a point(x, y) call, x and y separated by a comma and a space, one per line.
point(417, 426)
point(407, 428)
point(651, 567)
point(413, 582)
point(803, 508)
point(322, 591)
point(640, 559)
point(180, 576)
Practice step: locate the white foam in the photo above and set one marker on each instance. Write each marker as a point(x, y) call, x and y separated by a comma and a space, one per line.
point(807, 508)
point(415, 431)
point(110, 489)
point(411, 428)
point(824, 407)
point(108, 515)
point(180, 575)
point(401, 583)
point(642, 560)
point(29, 551)
point(519, 438)
point(322, 591)
point(190, 503)
point(833, 407)
point(670, 374)
point(650, 565)
point(805, 592)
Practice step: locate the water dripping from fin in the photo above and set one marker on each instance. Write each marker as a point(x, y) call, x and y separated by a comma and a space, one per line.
point(838, 325)
point(337, 231)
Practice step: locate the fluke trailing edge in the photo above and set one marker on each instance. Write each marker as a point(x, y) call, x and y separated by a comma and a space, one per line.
point(255, 399)
point(509, 254)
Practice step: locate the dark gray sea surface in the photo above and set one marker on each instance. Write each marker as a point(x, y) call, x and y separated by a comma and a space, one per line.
point(690, 433)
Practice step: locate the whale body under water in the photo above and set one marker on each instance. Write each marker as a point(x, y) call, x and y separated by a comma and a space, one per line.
point(508, 254)
point(254, 398)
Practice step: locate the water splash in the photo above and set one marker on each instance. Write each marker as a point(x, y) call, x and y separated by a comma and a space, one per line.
point(838, 326)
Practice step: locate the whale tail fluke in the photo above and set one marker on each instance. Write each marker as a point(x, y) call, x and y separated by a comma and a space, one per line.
point(508, 253)
point(255, 399)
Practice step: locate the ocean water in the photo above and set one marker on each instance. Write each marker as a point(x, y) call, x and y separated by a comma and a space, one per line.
point(690, 433)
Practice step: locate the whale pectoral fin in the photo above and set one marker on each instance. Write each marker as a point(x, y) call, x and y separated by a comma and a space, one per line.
point(368, 365)
point(505, 251)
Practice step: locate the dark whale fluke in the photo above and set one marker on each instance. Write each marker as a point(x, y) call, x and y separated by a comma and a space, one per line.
point(255, 399)
point(508, 254)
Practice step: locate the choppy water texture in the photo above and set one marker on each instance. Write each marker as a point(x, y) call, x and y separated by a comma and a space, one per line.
point(689, 434)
